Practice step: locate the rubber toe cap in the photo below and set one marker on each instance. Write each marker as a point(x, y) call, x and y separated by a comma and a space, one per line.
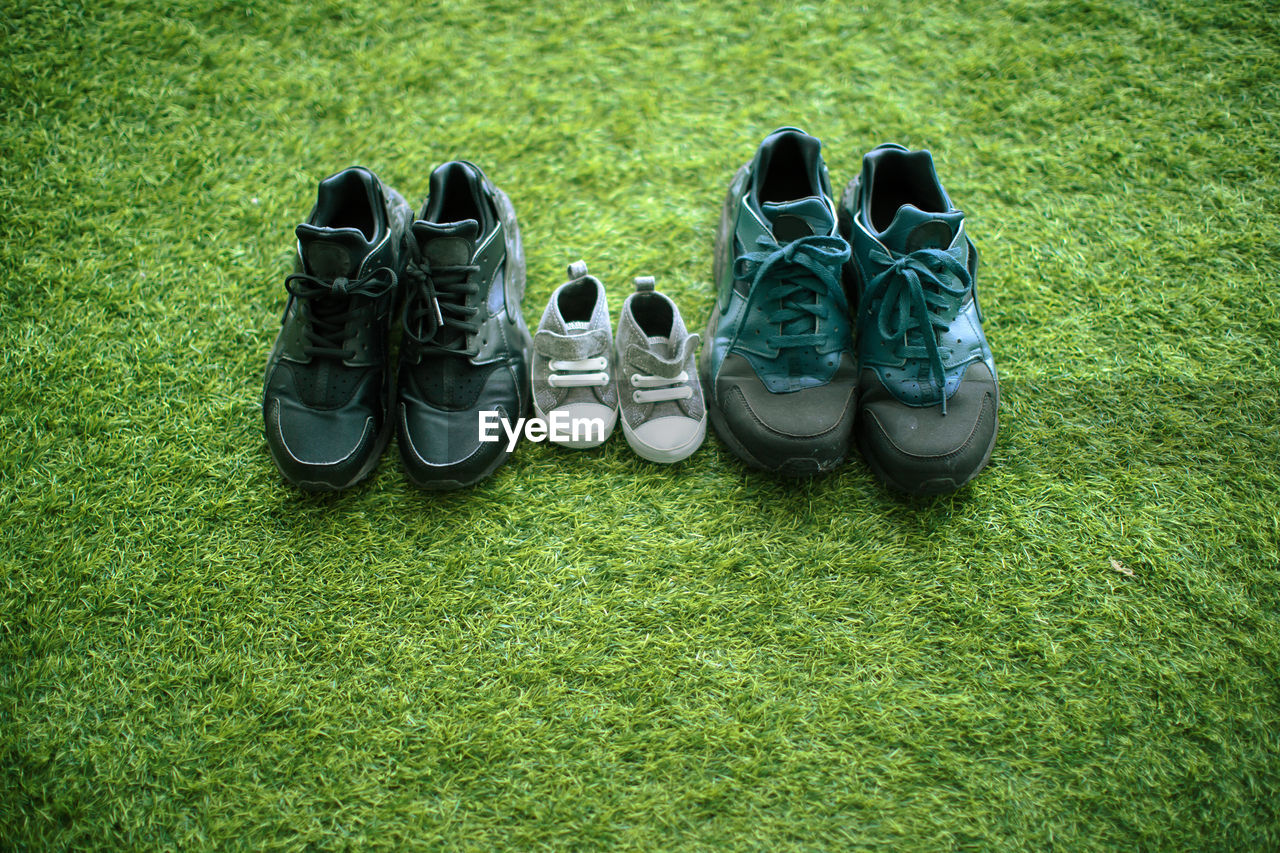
point(441, 449)
point(594, 421)
point(797, 432)
point(667, 439)
point(319, 449)
point(919, 449)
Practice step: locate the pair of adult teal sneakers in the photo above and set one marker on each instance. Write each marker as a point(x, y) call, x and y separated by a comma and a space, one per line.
point(855, 322)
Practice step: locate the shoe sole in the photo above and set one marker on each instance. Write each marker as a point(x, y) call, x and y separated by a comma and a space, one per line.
point(852, 286)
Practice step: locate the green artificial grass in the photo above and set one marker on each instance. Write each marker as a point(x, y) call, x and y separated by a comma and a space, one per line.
point(1079, 651)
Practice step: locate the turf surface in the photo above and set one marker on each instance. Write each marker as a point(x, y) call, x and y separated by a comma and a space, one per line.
point(1081, 650)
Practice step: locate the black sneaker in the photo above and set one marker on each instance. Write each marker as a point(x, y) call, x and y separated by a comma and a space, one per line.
point(327, 394)
point(466, 347)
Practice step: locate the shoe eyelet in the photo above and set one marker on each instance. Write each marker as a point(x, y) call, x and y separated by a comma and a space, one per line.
point(635, 396)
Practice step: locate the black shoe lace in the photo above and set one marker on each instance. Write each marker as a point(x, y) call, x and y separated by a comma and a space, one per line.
point(802, 276)
point(919, 292)
point(436, 313)
point(329, 304)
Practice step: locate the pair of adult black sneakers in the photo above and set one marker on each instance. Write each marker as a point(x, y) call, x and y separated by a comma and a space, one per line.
point(847, 323)
point(449, 279)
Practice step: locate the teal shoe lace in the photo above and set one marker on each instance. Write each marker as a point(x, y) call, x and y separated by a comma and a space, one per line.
point(919, 292)
point(809, 265)
point(328, 306)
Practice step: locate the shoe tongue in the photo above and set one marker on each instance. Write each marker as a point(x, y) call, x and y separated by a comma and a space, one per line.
point(447, 243)
point(913, 229)
point(332, 252)
point(661, 346)
point(804, 217)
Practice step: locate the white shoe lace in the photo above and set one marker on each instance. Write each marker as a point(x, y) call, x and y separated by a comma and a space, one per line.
point(579, 373)
point(659, 389)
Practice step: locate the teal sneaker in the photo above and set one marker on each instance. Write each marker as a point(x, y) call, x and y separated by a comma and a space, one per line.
point(778, 368)
point(927, 388)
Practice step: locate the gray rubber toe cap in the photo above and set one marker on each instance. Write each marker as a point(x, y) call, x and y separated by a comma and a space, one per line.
point(920, 450)
point(797, 432)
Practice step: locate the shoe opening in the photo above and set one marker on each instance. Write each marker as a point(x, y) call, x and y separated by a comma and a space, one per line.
point(904, 177)
point(349, 200)
point(788, 167)
point(454, 196)
point(652, 314)
point(577, 301)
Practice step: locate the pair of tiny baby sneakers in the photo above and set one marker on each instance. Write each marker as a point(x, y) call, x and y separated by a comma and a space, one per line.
point(581, 378)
